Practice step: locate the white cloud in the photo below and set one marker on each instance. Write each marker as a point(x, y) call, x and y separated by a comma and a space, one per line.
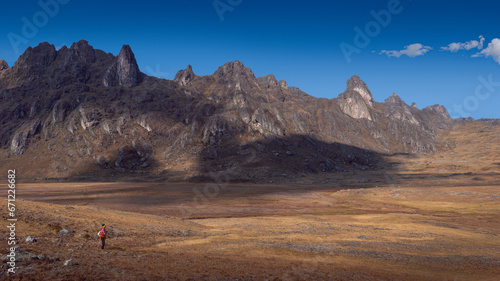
point(412, 51)
point(455, 47)
point(452, 47)
point(493, 50)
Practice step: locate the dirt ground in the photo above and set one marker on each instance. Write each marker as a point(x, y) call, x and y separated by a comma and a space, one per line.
point(427, 217)
point(259, 232)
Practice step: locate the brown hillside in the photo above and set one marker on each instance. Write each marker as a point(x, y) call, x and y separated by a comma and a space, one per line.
point(81, 113)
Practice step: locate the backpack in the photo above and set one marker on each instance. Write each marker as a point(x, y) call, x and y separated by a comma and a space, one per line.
point(102, 233)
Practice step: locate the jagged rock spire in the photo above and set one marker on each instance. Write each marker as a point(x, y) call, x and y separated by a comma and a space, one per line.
point(124, 71)
point(183, 77)
point(40, 56)
point(395, 100)
point(356, 100)
point(357, 85)
point(82, 50)
point(3, 65)
point(234, 69)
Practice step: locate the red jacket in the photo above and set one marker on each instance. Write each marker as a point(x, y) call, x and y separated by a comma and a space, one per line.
point(102, 232)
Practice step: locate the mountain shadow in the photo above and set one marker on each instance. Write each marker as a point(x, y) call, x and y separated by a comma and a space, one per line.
point(81, 113)
point(284, 159)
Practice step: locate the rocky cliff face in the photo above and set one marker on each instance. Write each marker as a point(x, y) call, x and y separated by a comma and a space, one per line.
point(3, 65)
point(357, 99)
point(354, 84)
point(79, 111)
point(124, 70)
point(183, 77)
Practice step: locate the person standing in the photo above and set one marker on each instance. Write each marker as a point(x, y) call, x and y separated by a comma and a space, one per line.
point(102, 234)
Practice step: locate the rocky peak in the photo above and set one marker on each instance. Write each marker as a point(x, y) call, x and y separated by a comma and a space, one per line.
point(439, 109)
point(355, 84)
point(3, 65)
point(183, 77)
point(42, 55)
point(436, 117)
point(397, 109)
point(234, 75)
point(124, 71)
point(395, 100)
point(81, 50)
point(234, 70)
point(283, 84)
point(356, 99)
point(33, 63)
point(414, 105)
point(268, 81)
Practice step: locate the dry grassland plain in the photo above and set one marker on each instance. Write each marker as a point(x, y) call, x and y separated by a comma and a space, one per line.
point(433, 217)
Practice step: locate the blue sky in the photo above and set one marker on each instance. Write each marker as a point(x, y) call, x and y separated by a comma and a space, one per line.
point(302, 42)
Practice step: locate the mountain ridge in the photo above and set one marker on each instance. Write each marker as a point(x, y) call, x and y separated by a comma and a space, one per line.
point(107, 117)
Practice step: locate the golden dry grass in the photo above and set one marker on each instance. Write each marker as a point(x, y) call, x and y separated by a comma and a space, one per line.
point(420, 220)
point(385, 233)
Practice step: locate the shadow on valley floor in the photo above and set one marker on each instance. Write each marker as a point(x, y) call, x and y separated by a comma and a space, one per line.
point(288, 167)
point(272, 160)
point(290, 159)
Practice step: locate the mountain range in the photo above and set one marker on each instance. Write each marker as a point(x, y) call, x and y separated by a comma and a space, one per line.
point(79, 112)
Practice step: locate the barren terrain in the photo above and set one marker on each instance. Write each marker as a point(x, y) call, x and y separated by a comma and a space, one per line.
point(429, 217)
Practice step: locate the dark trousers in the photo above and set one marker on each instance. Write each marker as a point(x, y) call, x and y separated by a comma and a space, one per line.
point(103, 242)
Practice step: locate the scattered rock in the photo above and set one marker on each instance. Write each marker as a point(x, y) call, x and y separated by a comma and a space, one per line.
point(5, 258)
point(21, 256)
point(18, 249)
point(30, 239)
point(69, 262)
point(65, 232)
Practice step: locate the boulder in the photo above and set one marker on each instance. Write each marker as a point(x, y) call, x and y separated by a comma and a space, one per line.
point(65, 232)
point(30, 239)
